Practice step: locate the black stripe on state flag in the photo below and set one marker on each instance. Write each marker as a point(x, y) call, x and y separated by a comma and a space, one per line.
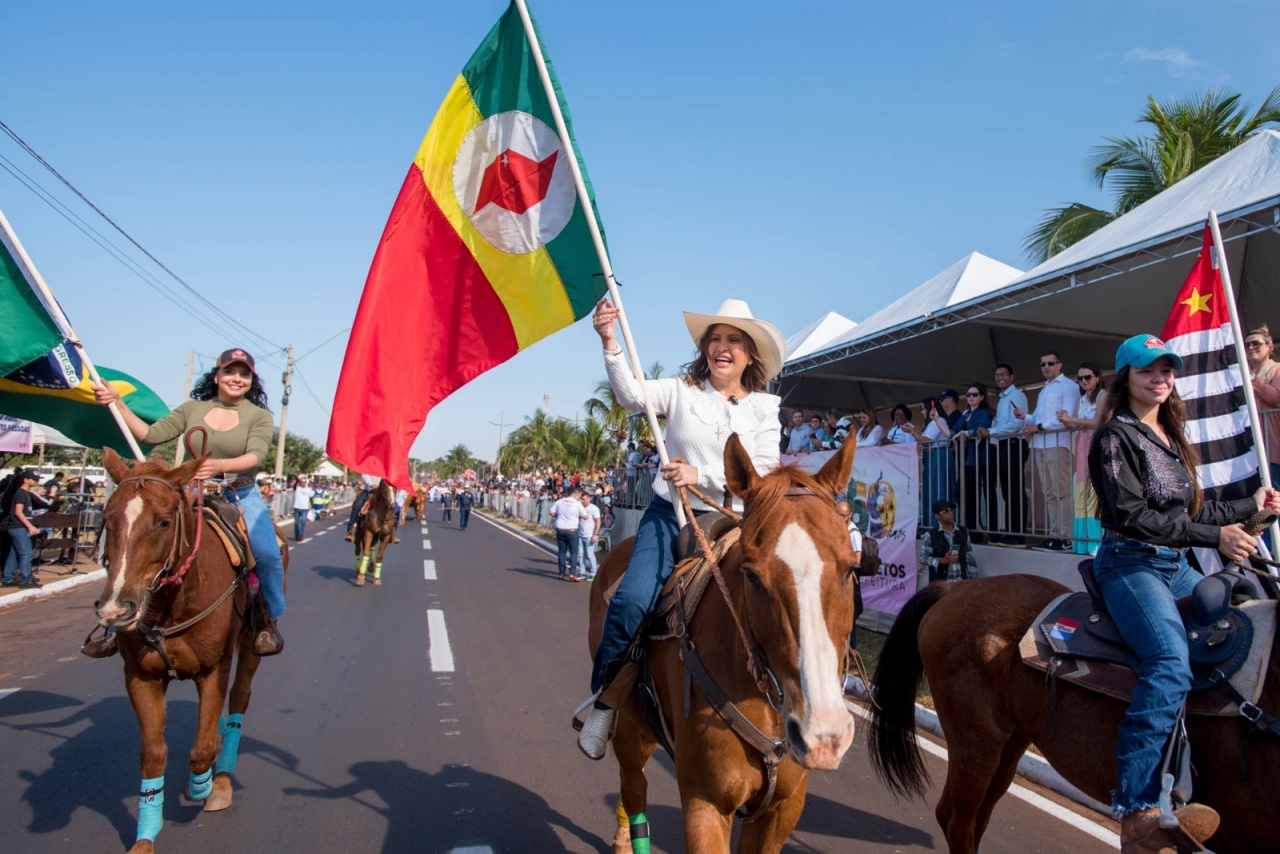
point(1215, 406)
point(1233, 491)
point(1225, 449)
point(1194, 364)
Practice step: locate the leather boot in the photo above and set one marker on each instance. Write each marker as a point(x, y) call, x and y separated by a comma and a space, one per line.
point(596, 732)
point(267, 640)
point(103, 647)
point(350, 537)
point(1141, 833)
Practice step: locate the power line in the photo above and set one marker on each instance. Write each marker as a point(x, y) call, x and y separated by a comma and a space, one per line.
point(235, 323)
point(321, 344)
point(297, 373)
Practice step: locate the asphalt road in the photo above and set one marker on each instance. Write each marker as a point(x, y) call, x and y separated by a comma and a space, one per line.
point(373, 732)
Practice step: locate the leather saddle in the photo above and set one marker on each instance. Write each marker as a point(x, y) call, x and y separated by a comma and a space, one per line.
point(224, 519)
point(1075, 639)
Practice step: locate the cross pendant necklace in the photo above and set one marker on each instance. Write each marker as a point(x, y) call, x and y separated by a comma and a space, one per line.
point(717, 432)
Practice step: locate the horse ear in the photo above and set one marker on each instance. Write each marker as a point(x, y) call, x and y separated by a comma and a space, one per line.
point(114, 465)
point(834, 474)
point(187, 471)
point(740, 473)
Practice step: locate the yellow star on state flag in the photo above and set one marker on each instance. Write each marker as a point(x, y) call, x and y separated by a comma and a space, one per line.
point(1197, 302)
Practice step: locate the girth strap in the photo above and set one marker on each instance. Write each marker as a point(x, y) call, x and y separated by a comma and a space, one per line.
point(771, 750)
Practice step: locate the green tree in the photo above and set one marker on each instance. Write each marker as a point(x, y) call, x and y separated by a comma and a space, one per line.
point(1185, 135)
point(456, 461)
point(301, 456)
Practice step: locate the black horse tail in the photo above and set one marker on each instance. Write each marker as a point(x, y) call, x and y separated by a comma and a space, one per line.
point(895, 755)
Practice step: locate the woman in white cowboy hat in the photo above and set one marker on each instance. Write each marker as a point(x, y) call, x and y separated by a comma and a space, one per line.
point(722, 391)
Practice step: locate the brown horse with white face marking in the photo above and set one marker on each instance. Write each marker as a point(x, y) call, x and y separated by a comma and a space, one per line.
point(790, 578)
point(176, 606)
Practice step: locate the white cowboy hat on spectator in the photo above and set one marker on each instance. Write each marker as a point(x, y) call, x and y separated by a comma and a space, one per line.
point(770, 344)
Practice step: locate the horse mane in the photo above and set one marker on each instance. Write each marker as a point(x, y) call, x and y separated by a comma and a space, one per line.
point(773, 486)
point(151, 467)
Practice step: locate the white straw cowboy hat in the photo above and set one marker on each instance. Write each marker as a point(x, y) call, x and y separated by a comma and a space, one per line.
point(770, 344)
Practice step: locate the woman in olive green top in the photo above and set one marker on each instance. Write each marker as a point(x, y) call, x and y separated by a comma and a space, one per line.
point(230, 403)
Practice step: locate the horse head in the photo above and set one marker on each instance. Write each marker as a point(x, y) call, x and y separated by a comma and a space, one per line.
point(143, 533)
point(797, 596)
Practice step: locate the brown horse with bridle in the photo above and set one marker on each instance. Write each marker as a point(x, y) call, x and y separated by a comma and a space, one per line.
point(181, 610)
point(964, 638)
point(765, 654)
point(376, 527)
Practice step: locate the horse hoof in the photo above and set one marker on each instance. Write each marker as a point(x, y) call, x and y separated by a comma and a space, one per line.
point(622, 841)
point(377, 582)
point(220, 797)
point(360, 579)
point(143, 846)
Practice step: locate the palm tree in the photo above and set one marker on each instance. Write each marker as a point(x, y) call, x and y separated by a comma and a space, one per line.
point(1186, 134)
point(457, 460)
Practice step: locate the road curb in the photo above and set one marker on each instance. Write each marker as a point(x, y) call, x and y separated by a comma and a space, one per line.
point(24, 597)
point(519, 532)
point(1032, 767)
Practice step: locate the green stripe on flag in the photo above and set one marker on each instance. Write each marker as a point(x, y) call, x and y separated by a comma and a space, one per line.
point(502, 76)
point(29, 331)
point(74, 413)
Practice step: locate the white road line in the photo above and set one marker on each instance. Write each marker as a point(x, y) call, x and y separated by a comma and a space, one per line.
point(4, 692)
point(426, 544)
point(438, 643)
point(472, 849)
point(429, 570)
point(1038, 801)
point(321, 533)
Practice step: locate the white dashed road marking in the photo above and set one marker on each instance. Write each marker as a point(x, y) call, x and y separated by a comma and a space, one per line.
point(4, 692)
point(438, 643)
point(426, 544)
point(429, 570)
point(472, 849)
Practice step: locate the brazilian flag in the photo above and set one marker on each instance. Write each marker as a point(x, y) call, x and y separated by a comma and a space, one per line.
point(42, 378)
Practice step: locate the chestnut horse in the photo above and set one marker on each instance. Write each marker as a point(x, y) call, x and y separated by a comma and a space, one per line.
point(964, 639)
point(177, 606)
point(790, 577)
point(376, 526)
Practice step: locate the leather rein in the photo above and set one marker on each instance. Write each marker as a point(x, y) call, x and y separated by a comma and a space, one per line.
point(772, 750)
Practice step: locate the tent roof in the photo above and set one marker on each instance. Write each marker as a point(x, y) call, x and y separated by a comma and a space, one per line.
point(1082, 303)
point(327, 469)
point(49, 437)
point(818, 334)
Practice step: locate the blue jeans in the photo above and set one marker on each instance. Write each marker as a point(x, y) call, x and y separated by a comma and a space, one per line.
point(464, 515)
point(299, 523)
point(262, 542)
point(1139, 583)
point(566, 551)
point(652, 558)
point(19, 555)
point(586, 557)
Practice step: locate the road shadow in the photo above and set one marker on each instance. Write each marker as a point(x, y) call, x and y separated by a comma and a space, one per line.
point(464, 807)
point(336, 573)
point(95, 768)
point(551, 573)
point(826, 817)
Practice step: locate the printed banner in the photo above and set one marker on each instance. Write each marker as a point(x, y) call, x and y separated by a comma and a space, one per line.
point(883, 495)
point(15, 435)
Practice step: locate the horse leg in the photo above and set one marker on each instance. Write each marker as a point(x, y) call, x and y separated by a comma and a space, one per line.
point(706, 829)
point(1000, 782)
point(364, 545)
point(241, 689)
point(377, 565)
point(977, 758)
point(767, 834)
point(212, 691)
point(632, 750)
point(147, 697)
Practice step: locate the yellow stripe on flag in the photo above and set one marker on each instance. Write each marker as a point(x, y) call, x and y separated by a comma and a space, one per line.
point(528, 285)
point(82, 393)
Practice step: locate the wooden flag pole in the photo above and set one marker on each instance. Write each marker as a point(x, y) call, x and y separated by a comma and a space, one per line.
point(594, 227)
point(60, 318)
point(1237, 336)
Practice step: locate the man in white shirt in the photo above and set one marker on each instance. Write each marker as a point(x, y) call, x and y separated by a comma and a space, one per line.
point(1051, 467)
point(400, 498)
point(567, 515)
point(855, 540)
point(302, 495)
point(798, 440)
point(588, 536)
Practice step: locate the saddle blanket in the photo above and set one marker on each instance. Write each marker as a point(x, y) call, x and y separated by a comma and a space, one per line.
point(1048, 642)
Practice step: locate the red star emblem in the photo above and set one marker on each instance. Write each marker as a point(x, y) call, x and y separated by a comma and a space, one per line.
point(515, 182)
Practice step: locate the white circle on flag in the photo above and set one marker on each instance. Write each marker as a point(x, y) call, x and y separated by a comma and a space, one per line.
point(518, 164)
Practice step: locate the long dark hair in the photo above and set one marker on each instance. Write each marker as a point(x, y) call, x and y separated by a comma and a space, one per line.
point(1172, 416)
point(982, 401)
point(697, 372)
point(11, 486)
point(207, 389)
point(1097, 387)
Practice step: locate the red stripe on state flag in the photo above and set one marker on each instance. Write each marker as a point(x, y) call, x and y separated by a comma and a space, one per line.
point(428, 323)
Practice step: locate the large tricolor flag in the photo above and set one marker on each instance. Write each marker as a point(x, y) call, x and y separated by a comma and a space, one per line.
point(42, 377)
point(1211, 382)
point(487, 250)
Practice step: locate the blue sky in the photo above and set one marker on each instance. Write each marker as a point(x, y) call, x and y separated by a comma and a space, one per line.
point(804, 157)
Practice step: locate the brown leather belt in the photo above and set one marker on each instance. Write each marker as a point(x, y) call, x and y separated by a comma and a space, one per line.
point(239, 482)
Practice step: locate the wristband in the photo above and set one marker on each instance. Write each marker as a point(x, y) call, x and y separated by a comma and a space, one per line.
point(616, 351)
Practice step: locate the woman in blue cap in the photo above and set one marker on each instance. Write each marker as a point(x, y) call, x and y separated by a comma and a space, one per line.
point(1151, 508)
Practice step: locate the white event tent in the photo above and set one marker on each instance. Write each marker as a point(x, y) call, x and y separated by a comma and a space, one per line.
point(1083, 302)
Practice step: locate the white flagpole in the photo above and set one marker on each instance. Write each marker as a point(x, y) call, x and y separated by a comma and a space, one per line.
point(594, 227)
point(1237, 335)
point(60, 318)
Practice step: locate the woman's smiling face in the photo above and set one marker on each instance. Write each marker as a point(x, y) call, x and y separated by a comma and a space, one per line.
point(727, 353)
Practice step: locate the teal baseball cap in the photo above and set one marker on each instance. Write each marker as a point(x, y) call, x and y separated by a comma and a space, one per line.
point(1141, 350)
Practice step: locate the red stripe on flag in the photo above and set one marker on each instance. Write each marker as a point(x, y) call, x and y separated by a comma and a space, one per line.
point(429, 322)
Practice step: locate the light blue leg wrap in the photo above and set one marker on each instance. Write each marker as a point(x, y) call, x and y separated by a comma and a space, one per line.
point(200, 785)
point(230, 730)
point(150, 808)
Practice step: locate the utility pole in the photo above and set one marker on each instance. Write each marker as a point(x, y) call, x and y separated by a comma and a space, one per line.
point(497, 458)
point(186, 393)
point(546, 404)
point(284, 411)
